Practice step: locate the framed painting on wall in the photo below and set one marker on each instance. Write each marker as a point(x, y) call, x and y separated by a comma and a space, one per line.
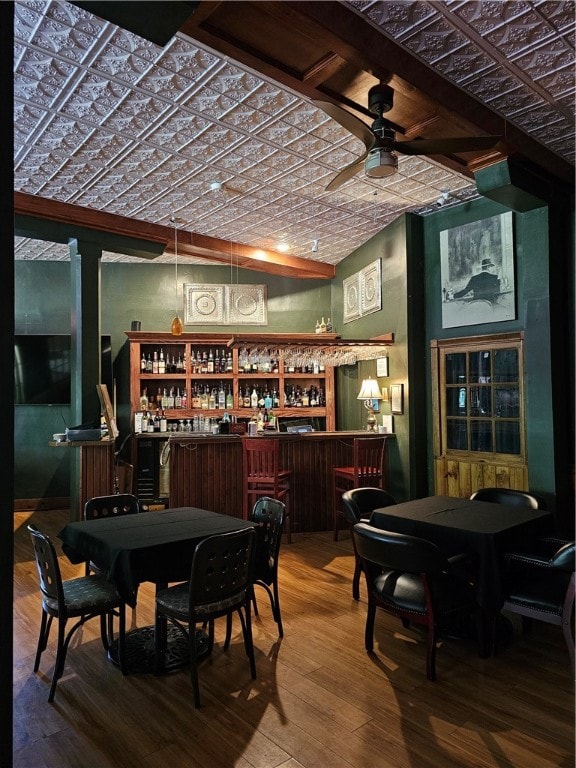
point(477, 272)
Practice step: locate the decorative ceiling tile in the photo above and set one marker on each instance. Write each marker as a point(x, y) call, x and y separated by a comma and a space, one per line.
point(128, 127)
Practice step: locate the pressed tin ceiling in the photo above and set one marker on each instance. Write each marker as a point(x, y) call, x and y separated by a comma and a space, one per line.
point(107, 120)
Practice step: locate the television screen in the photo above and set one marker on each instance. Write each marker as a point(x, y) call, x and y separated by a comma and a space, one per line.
point(41, 369)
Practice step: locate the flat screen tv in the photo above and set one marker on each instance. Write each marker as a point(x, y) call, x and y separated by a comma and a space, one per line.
point(42, 368)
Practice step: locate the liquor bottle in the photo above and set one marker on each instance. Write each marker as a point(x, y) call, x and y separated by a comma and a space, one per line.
point(212, 399)
point(221, 397)
point(144, 400)
point(184, 401)
point(150, 423)
point(171, 398)
point(196, 397)
point(275, 399)
point(143, 363)
point(155, 362)
point(254, 399)
point(157, 421)
point(322, 326)
point(247, 400)
point(229, 363)
point(178, 399)
point(305, 398)
point(267, 400)
point(163, 422)
point(149, 364)
point(204, 366)
point(229, 398)
point(329, 326)
point(210, 364)
point(145, 421)
point(204, 398)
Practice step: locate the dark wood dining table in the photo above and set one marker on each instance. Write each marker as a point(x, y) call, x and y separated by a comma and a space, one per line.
point(150, 546)
point(482, 529)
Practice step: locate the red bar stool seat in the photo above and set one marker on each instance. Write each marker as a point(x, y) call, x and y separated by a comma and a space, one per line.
point(262, 476)
point(369, 459)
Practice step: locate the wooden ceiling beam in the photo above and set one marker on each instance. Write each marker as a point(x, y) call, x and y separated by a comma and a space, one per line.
point(190, 244)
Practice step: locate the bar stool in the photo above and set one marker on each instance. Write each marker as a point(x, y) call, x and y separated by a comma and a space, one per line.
point(369, 457)
point(262, 476)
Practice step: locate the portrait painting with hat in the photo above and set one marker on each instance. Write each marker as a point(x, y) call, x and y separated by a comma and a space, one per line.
point(477, 272)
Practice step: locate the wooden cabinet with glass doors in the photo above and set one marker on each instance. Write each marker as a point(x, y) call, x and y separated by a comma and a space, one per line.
point(479, 430)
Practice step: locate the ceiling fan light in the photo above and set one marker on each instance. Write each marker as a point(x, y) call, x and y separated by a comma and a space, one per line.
point(380, 163)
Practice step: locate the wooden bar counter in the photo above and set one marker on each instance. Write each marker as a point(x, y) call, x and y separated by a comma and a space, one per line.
point(206, 471)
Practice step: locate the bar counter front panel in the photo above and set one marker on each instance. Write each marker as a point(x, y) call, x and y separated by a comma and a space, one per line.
point(206, 472)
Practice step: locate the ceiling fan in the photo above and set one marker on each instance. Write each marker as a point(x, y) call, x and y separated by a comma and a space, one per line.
point(379, 159)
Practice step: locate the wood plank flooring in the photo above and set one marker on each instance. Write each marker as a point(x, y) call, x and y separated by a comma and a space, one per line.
point(319, 701)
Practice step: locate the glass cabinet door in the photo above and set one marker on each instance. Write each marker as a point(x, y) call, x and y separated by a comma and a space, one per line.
point(481, 398)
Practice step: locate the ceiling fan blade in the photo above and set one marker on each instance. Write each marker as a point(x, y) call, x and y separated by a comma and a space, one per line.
point(346, 173)
point(349, 121)
point(445, 146)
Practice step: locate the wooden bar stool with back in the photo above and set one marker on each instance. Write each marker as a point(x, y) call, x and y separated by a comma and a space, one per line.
point(262, 476)
point(368, 468)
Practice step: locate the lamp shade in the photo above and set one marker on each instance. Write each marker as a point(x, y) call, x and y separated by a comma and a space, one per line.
point(369, 390)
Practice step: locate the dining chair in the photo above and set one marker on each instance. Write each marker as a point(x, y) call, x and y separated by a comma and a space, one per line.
point(367, 469)
point(357, 506)
point(220, 584)
point(263, 476)
point(412, 579)
point(542, 587)
point(115, 505)
point(509, 496)
point(82, 598)
point(268, 515)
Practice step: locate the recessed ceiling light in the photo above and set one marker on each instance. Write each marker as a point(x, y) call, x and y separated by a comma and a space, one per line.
point(282, 246)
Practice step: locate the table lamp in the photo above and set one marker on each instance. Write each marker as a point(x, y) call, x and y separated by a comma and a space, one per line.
point(370, 391)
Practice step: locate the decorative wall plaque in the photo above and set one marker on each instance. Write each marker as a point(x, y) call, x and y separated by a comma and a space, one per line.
point(363, 292)
point(213, 304)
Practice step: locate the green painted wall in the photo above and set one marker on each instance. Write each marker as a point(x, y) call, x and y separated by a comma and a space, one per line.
point(399, 248)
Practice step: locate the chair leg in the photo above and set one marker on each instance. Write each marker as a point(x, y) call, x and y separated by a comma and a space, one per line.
point(356, 578)
point(337, 513)
point(61, 649)
point(246, 621)
point(276, 610)
point(45, 625)
point(369, 631)
point(228, 631)
point(431, 653)
point(194, 666)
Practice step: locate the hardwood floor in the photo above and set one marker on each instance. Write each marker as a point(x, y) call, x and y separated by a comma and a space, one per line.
point(319, 701)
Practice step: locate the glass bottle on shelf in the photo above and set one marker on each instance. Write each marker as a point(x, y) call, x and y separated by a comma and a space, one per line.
point(161, 362)
point(155, 362)
point(229, 398)
point(143, 363)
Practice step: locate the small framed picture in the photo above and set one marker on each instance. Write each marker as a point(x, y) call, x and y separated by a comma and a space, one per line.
point(382, 366)
point(397, 398)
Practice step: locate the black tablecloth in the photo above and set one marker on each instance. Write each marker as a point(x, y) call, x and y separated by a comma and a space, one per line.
point(481, 528)
point(150, 546)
